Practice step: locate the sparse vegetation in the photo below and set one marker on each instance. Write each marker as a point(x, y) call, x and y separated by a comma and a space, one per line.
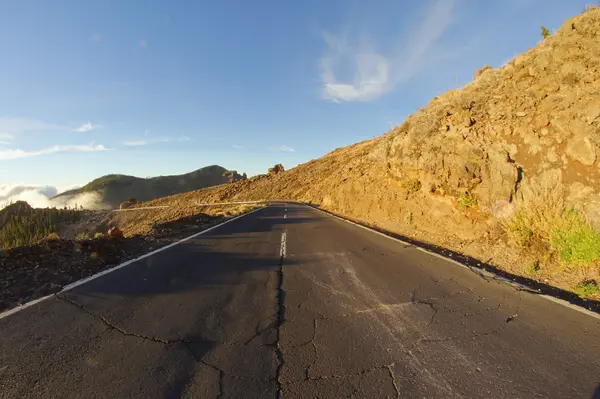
point(22, 225)
point(467, 200)
point(574, 240)
point(565, 232)
point(83, 236)
point(545, 32)
point(587, 288)
point(536, 218)
point(412, 185)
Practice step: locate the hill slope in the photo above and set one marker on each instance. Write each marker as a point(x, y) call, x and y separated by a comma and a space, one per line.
point(111, 190)
point(505, 170)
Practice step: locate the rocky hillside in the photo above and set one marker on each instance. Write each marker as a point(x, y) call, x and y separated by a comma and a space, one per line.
point(506, 169)
point(112, 190)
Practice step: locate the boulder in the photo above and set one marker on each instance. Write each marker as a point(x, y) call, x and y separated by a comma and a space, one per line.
point(115, 232)
point(581, 149)
point(233, 176)
point(126, 204)
point(276, 169)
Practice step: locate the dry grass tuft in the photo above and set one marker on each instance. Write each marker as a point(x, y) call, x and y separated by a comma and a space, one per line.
point(537, 217)
point(543, 219)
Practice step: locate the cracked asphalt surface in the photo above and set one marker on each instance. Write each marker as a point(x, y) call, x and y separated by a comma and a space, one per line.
point(344, 313)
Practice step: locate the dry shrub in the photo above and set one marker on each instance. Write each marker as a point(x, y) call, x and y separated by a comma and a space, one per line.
point(565, 232)
point(412, 185)
point(537, 217)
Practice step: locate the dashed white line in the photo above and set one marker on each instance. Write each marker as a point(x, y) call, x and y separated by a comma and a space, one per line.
point(283, 244)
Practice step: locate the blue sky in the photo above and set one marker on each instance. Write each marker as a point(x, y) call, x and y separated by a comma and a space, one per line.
point(165, 87)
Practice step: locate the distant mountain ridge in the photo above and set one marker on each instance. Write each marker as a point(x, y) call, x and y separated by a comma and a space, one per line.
point(114, 189)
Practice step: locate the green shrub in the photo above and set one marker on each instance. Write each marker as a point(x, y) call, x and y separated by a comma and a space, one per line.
point(467, 200)
point(574, 240)
point(545, 32)
point(520, 235)
point(83, 236)
point(587, 288)
point(98, 235)
point(26, 228)
point(412, 185)
point(566, 233)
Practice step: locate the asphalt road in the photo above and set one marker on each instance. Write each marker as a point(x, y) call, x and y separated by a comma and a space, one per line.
point(290, 302)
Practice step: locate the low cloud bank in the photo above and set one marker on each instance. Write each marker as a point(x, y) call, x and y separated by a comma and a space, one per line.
point(40, 197)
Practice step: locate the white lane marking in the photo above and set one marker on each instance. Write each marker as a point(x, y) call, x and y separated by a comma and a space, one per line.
point(477, 270)
point(283, 244)
point(102, 273)
point(141, 208)
point(231, 203)
point(24, 306)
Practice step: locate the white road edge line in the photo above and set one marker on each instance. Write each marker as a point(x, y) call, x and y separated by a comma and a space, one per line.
point(141, 208)
point(112, 269)
point(283, 244)
point(24, 306)
point(485, 273)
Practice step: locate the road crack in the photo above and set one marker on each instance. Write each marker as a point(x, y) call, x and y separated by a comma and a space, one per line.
point(387, 367)
point(112, 326)
point(280, 318)
point(498, 330)
point(312, 339)
point(392, 371)
point(258, 331)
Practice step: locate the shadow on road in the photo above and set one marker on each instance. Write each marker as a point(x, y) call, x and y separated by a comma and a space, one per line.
point(224, 256)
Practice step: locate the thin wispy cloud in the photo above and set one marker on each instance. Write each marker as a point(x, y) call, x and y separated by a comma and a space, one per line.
point(237, 147)
point(10, 154)
point(4, 142)
point(143, 142)
point(373, 72)
point(135, 143)
point(143, 44)
point(13, 126)
point(286, 148)
point(86, 127)
point(172, 139)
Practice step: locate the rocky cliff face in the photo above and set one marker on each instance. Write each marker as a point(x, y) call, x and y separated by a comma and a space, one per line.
point(456, 172)
point(514, 128)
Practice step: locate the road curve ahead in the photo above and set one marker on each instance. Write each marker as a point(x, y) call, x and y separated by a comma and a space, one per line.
point(290, 302)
